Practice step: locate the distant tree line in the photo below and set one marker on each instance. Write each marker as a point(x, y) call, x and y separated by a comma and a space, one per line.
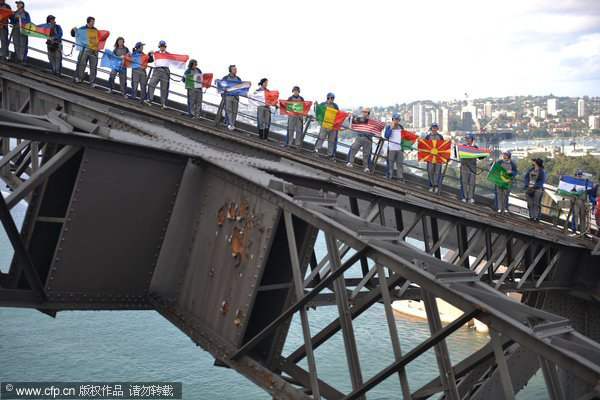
point(562, 165)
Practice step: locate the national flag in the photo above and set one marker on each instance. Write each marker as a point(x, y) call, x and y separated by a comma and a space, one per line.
point(408, 139)
point(465, 151)
point(330, 118)
point(168, 60)
point(136, 61)
point(110, 60)
point(264, 97)
point(39, 31)
point(572, 187)
point(90, 38)
point(4, 14)
point(196, 80)
point(296, 108)
point(233, 88)
point(498, 176)
point(434, 151)
point(370, 125)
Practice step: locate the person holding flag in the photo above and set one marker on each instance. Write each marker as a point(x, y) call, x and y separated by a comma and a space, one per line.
point(120, 51)
point(597, 209)
point(139, 63)
point(162, 75)
point(366, 127)
point(5, 13)
point(580, 189)
point(434, 170)
point(20, 41)
point(395, 158)
point(263, 110)
point(502, 193)
point(534, 185)
point(232, 101)
point(86, 54)
point(54, 45)
point(194, 94)
point(163, 61)
point(295, 122)
point(468, 168)
point(326, 132)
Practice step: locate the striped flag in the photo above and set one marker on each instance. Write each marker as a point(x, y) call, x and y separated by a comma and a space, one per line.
point(465, 151)
point(370, 125)
point(572, 187)
point(330, 118)
point(4, 14)
point(295, 108)
point(168, 60)
point(90, 38)
point(135, 61)
point(196, 80)
point(39, 31)
point(264, 97)
point(434, 151)
point(408, 139)
point(233, 88)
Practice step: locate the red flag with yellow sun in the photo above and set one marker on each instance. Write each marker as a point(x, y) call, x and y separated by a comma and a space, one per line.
point(434, 151)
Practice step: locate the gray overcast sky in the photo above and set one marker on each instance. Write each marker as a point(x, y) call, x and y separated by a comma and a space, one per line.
point(368, 52)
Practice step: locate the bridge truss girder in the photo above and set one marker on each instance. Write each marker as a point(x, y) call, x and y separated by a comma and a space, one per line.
point(245, 326)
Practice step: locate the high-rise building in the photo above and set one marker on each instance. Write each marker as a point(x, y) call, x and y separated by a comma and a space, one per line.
point(552, 107)
point(580, 108)
point(445, 120)
point(594, 121)
point(537, 111)
point(418, 116)
point(467, 121)
point(428, 119)
point(487, 109)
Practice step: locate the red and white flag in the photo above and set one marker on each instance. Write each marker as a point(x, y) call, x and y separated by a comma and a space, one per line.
point(169, 60)
point(370, 125)
point(264, 97)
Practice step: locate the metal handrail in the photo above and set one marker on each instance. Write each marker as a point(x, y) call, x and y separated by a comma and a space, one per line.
point(377, 158)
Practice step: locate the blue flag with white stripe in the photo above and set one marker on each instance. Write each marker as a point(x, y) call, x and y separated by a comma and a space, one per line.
point(233, 88)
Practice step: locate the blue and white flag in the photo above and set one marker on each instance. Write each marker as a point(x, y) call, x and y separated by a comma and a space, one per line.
point(110, 60)
point(233, 88)
point(572, 187)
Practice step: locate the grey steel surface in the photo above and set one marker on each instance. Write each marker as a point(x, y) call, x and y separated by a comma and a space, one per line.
point(218, 239)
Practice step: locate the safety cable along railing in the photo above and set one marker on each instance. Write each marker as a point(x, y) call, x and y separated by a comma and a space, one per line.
point(306, 133)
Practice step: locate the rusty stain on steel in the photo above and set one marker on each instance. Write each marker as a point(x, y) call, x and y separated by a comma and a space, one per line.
point(221, 216)
point(243, 224)
point(224, 308)
point(243, 209)
point(237, 247)
point(232, 211)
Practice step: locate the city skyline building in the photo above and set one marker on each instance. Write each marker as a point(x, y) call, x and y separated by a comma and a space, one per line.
point(552, 106)
point(445, 120)
point(487, 110)
point(467, 121)
point(594, 122)
point(581, 108)
point(419, 115)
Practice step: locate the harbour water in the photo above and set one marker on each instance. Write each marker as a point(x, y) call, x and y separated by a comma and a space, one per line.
point(142, 346)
